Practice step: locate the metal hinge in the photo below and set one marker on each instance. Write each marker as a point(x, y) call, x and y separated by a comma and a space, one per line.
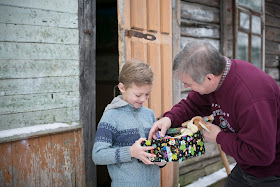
point(137, 34)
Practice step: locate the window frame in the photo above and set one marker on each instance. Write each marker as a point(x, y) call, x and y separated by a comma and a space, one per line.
point(237, 28)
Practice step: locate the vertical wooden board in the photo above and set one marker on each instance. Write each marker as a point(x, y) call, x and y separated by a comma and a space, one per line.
point(153, 15)
point(6, 164)
point(138, 14)
point(138, 51)
point(26, 162)
point(79, 158)
point(167, 175)
point(69, 158)
point(45, 160)
point(166, 77)
point(165, 16)
point(154, 61)
point(57, 160)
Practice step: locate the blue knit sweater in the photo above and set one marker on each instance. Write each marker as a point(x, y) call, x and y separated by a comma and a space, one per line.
point(120, 126)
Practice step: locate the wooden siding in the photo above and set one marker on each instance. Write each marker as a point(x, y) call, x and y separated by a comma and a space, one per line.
point(39, 63)
point(272, 39)
point(51, 160)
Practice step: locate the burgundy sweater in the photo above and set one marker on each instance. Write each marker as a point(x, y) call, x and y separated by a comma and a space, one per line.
point(247, 108)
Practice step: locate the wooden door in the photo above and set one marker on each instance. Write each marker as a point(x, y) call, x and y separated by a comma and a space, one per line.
point(152, 17)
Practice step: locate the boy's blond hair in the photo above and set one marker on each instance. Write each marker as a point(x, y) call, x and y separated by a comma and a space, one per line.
point(137, 72)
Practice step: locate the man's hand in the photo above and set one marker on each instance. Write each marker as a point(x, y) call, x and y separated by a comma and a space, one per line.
point(163, 124)
point(139, 152)
point(212, 135)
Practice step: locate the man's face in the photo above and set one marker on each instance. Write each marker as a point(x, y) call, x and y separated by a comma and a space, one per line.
point(209, 84)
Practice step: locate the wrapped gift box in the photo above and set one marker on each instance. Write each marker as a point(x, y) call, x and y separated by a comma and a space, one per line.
point(173, 148)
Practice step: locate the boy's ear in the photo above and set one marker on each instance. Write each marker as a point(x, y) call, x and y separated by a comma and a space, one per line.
point(121, 87)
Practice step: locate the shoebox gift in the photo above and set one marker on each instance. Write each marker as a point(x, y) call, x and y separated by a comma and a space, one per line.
point(180, 143)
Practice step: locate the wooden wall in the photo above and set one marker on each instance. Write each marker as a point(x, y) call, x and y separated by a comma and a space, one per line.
point(39, 62)
point(272, 38)
point(51, 160)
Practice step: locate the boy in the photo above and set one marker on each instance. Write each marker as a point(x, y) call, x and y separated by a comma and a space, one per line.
point(125, 123)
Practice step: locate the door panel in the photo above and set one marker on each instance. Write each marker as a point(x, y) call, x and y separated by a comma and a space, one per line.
point(149, 17)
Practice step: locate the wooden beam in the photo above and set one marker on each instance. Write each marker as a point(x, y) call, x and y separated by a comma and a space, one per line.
point(87, 33)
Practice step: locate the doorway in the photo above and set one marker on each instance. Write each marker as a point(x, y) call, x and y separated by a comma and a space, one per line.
point(107, 66)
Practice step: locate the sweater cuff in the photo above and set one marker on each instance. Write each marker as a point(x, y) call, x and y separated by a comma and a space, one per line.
point(124, 154)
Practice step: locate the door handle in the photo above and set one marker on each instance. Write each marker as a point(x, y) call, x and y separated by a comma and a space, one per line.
point(137, 34)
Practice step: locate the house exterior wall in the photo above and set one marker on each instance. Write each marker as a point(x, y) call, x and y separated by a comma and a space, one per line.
point(39, 84)
point(39, 63)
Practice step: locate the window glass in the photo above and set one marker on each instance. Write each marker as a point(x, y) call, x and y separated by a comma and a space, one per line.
point(256, 51)
point(244, 20)
point(254, 4)
point(256, 24)
point(242, 46)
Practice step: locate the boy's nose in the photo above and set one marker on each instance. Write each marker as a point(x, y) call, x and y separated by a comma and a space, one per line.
point(143, 98)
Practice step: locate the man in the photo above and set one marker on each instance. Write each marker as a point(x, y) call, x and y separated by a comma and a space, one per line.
point(245, 103)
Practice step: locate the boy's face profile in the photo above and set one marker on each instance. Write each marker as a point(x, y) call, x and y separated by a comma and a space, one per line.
point(135, 95)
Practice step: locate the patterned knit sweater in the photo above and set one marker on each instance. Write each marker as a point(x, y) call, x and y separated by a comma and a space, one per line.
point(120, 126)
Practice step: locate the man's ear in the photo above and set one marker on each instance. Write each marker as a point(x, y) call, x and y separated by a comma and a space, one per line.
point(121, 87)
point(210, 77)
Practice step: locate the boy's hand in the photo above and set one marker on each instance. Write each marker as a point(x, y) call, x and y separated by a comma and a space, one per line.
point(163, 124)
point(139, 152)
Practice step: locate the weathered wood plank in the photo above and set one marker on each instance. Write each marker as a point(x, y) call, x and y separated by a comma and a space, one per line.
point(214, 3)
point(272, 21)
point(271, 61)
point(26, 16)
point(272, 9)
point(198, 12)
point(38, 68)
point(44, 143)
point(69, 156)
point(26, 135)
point(58, 178)
point(273, 72)
point(27, 103)
point(6, 164)
point(87, 21)
point(70, 6)
point(37, 34)
point(25, 119)
point(200, 32)
point(28, 51)
point(185, 40)
point(272, 48)
point(26, 162)
point(272, 33)
point(38, 85)
point(79, 158)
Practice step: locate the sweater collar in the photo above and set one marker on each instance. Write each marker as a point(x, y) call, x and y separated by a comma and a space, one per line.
point(118, 102)
point(226, 71)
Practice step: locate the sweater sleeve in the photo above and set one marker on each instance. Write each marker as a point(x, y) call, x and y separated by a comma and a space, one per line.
point(255, 142)
point(195, 104)
point(103, 153)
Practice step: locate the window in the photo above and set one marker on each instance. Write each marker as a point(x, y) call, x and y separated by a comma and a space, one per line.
point(249, 33)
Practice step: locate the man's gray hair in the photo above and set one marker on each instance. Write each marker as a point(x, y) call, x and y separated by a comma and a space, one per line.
point(197, 59)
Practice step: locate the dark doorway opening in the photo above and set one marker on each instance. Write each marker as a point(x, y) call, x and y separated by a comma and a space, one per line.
point(107, 66)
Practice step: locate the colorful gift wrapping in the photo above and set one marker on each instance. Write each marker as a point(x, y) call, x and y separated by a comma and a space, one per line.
point(176, 148)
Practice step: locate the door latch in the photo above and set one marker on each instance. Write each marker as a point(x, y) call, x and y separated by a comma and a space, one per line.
point(137, 34)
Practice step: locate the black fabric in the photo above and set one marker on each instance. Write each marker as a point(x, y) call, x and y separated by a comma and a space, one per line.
point(238, 178)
